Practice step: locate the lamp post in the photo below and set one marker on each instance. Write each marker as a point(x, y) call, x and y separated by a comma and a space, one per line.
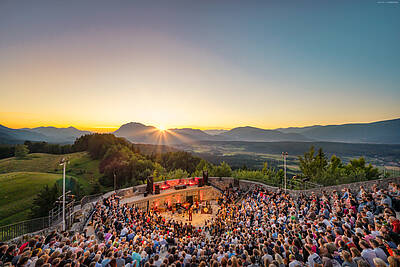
point(64, 163)
point(115, 182)
point(284, 155)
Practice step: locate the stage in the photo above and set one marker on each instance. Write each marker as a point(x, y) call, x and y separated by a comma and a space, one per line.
point(171, 197)
point(198, 219)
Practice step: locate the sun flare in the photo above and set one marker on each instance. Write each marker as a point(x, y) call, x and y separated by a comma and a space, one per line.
point(162, 128)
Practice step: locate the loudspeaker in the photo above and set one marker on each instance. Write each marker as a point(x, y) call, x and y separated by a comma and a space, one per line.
point(149, 187)
point(205, 177)
point(189, 199)
point(157, 189)
point(201, 182)
point(180, 186)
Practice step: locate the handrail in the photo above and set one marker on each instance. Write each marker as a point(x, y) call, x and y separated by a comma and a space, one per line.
point(216, 187)
point(245, 194)
point(11, 231)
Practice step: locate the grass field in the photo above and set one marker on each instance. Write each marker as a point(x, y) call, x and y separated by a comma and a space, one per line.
point(18, 189)
point(21, 180)
point(80, 166)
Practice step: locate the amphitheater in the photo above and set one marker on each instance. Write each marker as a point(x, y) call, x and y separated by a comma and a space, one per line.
point(221, 218)
point(134, 196)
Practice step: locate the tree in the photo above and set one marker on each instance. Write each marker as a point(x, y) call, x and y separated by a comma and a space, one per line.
point(96, 188)
point(223, 170)
point(334, 172)
point(159, 172)
point(21, 151)
point(319, 170)
point(313, 166)
point(358, 171)
point(45, 200)
point(6, 151)
point(178, 174)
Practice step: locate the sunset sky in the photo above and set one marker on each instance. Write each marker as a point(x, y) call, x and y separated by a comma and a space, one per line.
point(202, 64)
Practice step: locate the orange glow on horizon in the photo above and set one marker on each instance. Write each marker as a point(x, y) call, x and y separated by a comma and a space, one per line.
point(26, 120)
point(162, 128)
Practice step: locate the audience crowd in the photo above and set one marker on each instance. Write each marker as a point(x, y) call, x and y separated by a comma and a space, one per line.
point(259, 228)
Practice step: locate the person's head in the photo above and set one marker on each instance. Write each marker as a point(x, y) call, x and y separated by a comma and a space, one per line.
point(279, 259)
point(393, 261)
point(22, 261)
point(292, 257)
point(309, 248)
point(362, 263)
point(355, 252)
point(11, 249)
point(113, 263)
point(97, 257)
point(363, 244)
point(39, 262)
point(374, 243)
point(347, 256)
point(379, 262)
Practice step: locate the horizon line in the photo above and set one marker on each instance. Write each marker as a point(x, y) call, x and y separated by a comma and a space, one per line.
point(114, 128)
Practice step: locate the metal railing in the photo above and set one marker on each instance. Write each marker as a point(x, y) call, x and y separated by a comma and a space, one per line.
point(141, 205)
point(301, 185)
point(245, 194)
point(217, 187)
point(90, 198)
point(55, 214)
point(12, 231)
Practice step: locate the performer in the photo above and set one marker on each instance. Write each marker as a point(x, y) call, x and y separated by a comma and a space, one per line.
point(190, 214)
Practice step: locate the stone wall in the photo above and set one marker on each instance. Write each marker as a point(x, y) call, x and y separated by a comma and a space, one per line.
point(354, 187)
point(206, 193)
point(140, 189)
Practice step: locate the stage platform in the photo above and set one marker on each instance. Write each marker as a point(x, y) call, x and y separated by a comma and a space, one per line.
point(172, 196)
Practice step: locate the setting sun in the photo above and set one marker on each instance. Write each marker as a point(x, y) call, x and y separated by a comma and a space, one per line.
point(161, 128)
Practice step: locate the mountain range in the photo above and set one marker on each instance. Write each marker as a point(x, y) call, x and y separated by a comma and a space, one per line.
point(40, 134)
point(381, 132)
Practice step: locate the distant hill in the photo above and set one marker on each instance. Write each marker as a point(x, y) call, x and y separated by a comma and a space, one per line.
point(214, 132)
point(252, 134)
point(381, 132)
point(59, 135)
point(46, 134)
point(140, 133)
point(9, 135)
point(298, 130)
point(136, 132)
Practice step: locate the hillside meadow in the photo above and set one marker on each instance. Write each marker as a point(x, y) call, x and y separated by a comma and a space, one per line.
point(22, 179)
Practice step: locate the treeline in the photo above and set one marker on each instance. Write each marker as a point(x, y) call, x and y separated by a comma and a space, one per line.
point(316, 166)
point(269, 175)
point(7, 151)
point(126, 163)
point(129, 166)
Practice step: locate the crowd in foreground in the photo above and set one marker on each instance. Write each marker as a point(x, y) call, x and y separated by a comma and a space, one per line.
point(261, 228)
